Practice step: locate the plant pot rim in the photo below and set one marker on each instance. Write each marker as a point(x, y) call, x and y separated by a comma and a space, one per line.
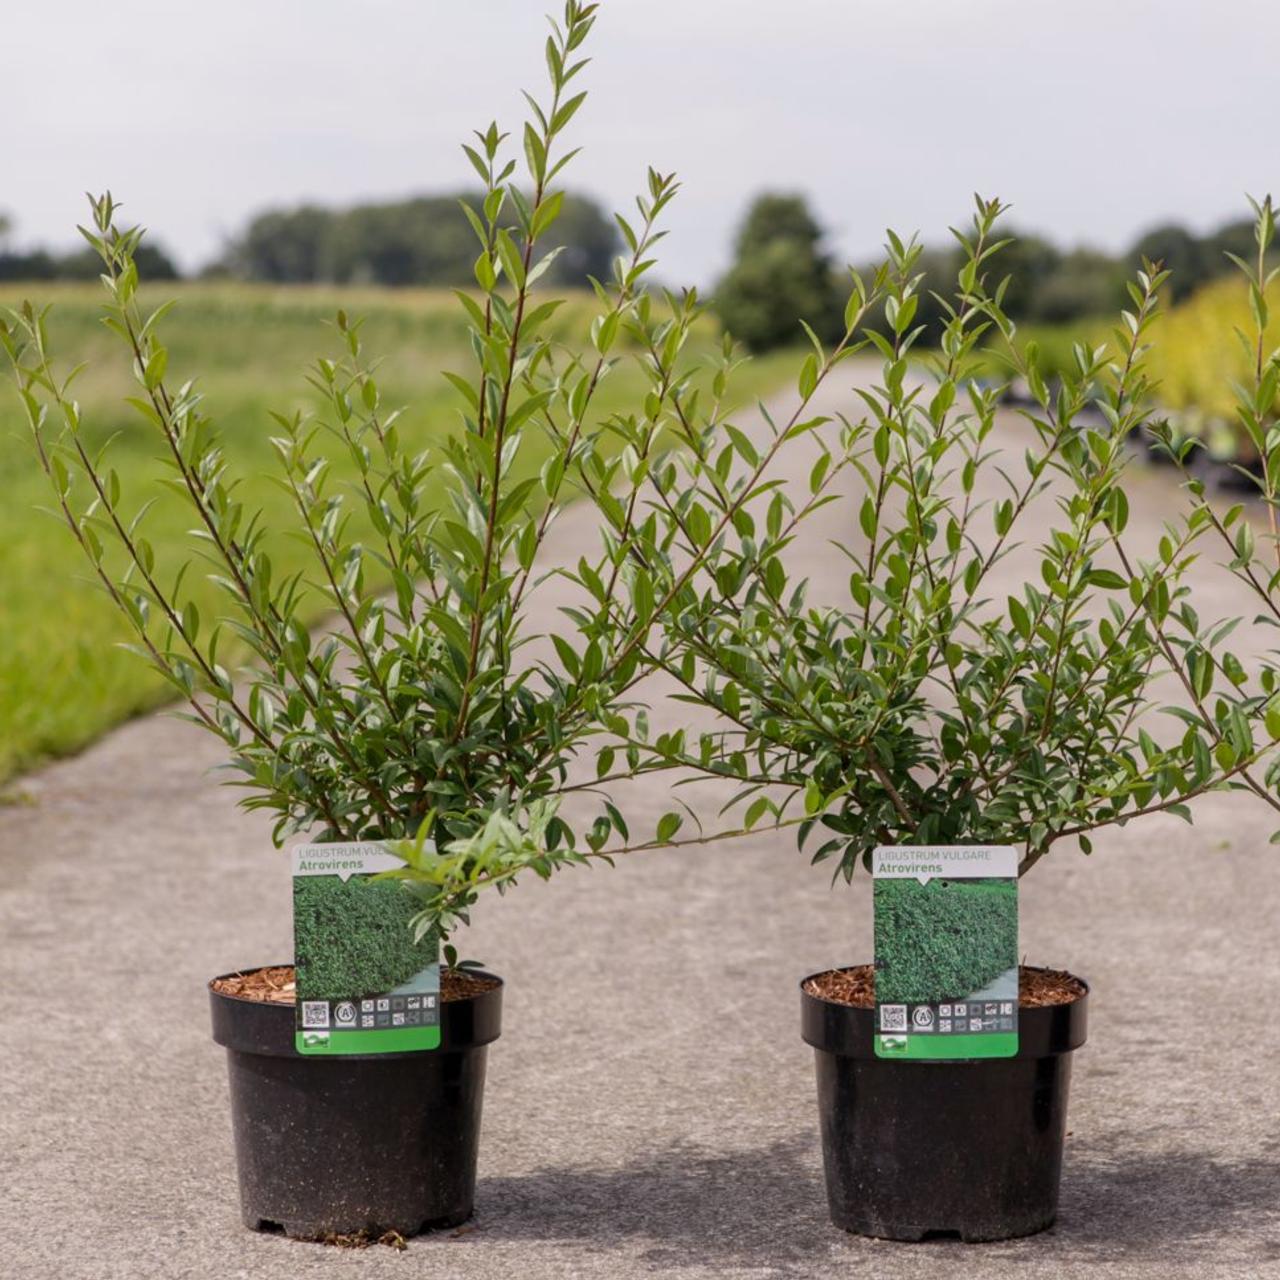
point(267, 1027)
point(849, 1031)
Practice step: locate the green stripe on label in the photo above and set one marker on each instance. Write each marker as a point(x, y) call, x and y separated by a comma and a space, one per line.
point(394, 1040)
point(948, 1048)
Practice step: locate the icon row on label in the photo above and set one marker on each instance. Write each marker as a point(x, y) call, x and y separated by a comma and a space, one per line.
point(977, 1009)
point(407, 1018)
point(397, 1004)
point(969, 1015)
point(952, 1025)
point(382, 1011)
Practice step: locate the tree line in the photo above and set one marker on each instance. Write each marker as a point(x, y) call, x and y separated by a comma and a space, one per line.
point(78, 264)
point(424, 240)
point(421, 241)
point(783, 273)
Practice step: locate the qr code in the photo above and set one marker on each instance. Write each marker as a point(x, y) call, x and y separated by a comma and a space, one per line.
point(315, 1013)
point(893, 1017)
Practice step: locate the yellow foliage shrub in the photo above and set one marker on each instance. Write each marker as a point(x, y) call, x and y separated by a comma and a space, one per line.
point(1196, 354)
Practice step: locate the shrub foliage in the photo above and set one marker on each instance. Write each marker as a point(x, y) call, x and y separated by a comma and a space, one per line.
point(420, 720)
point(924, 708)
point(353, 938)
point(944, 938)
point(921, 709)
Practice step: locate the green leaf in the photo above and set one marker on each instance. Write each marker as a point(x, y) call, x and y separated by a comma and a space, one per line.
point(812, 797)
point(807, 382)
point(867, 517)
point(1272, 720)
point(547, 212)
point(157, 364)
point(1020, 618)
point(1243, 545)
point(1200, 668)
point(486, 276)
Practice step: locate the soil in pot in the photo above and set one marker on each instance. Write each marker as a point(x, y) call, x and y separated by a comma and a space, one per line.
point(856, 986)
point(275, 984)
point(356, 1146)
point(967, 1149)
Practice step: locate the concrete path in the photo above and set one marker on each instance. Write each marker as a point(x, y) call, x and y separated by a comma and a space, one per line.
point(651, 1107)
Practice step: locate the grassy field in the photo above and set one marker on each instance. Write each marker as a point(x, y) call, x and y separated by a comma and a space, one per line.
point(63, 678)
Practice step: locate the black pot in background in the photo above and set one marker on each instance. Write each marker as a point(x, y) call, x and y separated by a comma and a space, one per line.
point(1243, 476)
point(376, 1143)
point(914, 1149)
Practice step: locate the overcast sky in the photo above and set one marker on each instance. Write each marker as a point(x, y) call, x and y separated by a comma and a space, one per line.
point(1096, 118)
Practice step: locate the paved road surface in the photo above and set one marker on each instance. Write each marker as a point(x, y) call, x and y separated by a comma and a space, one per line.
point(651, 1108)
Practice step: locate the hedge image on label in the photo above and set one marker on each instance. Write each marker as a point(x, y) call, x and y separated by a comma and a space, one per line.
point(944, 939)
point(353, 938)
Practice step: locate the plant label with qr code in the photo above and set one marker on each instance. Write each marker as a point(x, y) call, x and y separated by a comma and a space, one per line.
point(946, 951)
point(366, 983)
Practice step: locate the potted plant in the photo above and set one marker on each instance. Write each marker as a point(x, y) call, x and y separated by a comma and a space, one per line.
point(416, 722)
point(930, 709)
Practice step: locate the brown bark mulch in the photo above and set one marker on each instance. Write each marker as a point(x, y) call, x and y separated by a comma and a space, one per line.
point(856, 986)
point(275, 985)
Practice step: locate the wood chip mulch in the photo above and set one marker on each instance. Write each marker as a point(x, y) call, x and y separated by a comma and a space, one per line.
point(461, 985)
point(276, 985)
point(857, 987)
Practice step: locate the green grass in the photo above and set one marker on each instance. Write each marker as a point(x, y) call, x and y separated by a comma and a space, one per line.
point(63, 678)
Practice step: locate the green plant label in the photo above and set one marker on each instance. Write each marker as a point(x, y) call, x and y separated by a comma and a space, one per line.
point(946, 946)
point(366, 983)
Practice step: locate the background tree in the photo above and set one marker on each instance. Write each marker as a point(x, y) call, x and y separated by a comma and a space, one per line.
point(422, 241)
point(1051, 286)
point(1185, 256)
point(1232, 237)
point(1029, 262)
point(285, 246)
point(80, 264)
point(152, 261)
point(780, 276)
point(1085, 283)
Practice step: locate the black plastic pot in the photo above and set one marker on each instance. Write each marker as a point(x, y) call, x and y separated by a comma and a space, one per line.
point(922, 1149)
point(340, 1145)
point(1239, 476)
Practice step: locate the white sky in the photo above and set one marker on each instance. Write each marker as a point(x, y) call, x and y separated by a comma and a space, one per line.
point(1095, 117)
